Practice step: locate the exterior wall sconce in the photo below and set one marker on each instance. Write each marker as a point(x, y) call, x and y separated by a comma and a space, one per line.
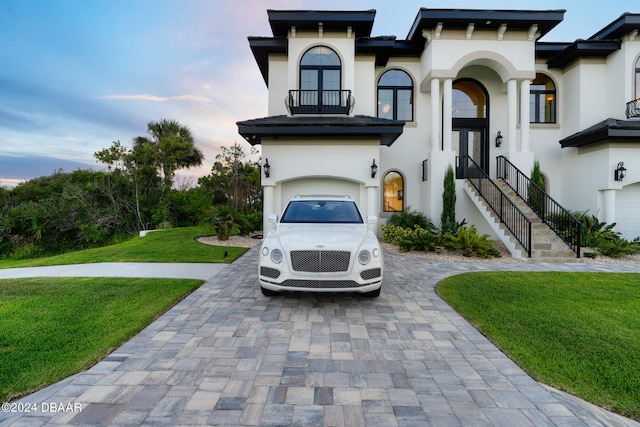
point(620, 172)
point(498, 139)
point(374, 169)
point(266, 168)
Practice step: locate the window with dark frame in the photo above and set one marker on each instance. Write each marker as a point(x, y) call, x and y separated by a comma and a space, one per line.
point(320, 77)
point(542, 100)
point(395, 96)
point(393, 192)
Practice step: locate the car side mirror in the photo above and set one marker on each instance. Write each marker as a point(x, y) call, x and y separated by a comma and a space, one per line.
point(372, 219)
point(273, 219)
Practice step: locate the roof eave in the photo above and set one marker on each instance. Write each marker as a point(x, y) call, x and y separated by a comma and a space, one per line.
point(610, 130)
point(262, 47)
point(583, 49)
point(360, 22)
point(626, 23)
point(426, 18)
point(253, 131)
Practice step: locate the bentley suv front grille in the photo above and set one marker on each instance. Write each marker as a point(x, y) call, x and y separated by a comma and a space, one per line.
point(320, 261)
point(327, 284)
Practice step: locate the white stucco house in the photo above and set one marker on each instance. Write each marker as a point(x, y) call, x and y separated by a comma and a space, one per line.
point(381, 118)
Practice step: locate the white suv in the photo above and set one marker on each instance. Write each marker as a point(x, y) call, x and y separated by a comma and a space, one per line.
point(321, 244)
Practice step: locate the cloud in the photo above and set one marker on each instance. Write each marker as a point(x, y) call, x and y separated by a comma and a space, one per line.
point(155, 98)
point(16, 168)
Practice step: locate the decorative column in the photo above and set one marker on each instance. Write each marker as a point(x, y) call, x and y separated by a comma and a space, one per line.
point(435, 115)
point(268, 206)
point(609, 214)
point(512, 114)
point(447, 113)
point(372, 202)
point(525, 91)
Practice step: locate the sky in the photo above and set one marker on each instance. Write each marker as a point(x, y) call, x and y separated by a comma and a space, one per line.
point(76, 75)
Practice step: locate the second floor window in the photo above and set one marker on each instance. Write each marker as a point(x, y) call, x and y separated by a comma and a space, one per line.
point(395, 96)
point(320, 77)
point(542, 101)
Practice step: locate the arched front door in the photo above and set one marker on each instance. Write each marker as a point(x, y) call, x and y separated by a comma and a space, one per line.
point(470, 127)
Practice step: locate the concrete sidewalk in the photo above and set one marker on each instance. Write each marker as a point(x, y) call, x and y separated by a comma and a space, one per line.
point(227, 355)
point(200, 271)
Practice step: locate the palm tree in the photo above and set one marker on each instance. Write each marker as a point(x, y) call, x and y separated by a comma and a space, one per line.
point(171, 146)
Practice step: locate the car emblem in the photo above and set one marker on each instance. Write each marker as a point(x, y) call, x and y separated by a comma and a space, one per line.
point(320, 246)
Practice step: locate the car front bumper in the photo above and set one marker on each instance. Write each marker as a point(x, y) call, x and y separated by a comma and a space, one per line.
point(365, 280)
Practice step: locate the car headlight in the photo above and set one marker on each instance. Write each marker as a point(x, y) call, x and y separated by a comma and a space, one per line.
point(276, 256)
point(376, 252)
point(364, 257)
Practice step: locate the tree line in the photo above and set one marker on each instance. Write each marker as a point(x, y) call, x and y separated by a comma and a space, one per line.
point(135, 191)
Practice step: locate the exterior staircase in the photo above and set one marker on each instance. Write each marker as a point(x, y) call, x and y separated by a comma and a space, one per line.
point(546, 246)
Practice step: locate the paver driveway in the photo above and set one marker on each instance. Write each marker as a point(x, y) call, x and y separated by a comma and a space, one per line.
point(227, 355)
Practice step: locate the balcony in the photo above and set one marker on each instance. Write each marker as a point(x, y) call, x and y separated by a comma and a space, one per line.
point(633, 108)
point(319, 102)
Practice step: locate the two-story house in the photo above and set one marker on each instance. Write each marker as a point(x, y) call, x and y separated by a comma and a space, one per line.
point(382, 119)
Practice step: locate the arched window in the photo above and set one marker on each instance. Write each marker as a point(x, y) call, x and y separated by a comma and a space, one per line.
point(469, 101)
point(393, 189)
point(320, 76)
point(395, 96)
point(638, 79)
point(542, 101)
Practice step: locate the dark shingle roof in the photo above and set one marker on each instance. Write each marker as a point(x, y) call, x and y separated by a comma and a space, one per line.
point(613, 130)
point(309, 127)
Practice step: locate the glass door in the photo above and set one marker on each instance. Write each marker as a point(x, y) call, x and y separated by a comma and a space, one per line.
point(471, 143)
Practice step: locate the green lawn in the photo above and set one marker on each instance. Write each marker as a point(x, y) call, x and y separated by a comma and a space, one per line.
point(171, 245)
point(579, 332)
point(52, 328)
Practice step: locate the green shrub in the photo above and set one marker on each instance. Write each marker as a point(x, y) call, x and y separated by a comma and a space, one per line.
point(409, 219)
point(26, 251)
point(535, 197)
point(409, 239)
point(451, 227)
point(418, 239)
point(393, 234)
point(255, 221)
point(470, 243)
point(226, 221)
point(448, 217)
point(617, 247)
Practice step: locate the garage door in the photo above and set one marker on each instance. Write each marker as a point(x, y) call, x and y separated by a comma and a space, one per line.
point(320, 186)
point(628, 211)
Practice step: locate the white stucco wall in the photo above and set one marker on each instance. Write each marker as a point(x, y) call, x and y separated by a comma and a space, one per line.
point(588, 91)
point(278, 85)
point(321, 165)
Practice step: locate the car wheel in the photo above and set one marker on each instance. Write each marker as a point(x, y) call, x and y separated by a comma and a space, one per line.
point(373, 294)
point(268, 292)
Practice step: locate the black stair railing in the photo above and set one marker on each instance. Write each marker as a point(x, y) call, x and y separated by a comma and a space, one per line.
point(507, 212)
point(560, 220)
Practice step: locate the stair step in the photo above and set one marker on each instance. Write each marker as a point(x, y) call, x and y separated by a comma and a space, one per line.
point(555, 260)
point(546, 245)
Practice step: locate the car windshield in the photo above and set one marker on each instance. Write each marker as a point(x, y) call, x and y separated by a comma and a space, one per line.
point(322, 212)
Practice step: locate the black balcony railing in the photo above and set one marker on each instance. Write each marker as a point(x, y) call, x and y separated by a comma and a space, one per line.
point(560, 220)
point(507, 212)
point(319, 101)
point(633, 108)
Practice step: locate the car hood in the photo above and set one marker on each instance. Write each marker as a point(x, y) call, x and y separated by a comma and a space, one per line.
point(346, 237)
